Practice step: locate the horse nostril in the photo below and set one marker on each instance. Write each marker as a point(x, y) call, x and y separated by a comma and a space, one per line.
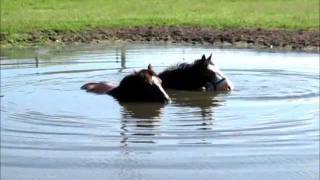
point(228, 88)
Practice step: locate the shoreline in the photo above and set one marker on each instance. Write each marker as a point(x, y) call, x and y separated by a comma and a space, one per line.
point(255, 38)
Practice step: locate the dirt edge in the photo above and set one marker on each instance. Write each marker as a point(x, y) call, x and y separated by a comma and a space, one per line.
point(297, 40)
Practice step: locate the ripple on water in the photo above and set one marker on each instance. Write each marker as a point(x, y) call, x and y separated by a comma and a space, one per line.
point(269, 122)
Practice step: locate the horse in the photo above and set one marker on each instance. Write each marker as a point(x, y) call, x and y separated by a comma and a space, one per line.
point(202, 74)
point(141, 86)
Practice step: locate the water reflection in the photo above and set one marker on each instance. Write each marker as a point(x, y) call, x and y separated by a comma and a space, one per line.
point(141, 122)
point(122, 57)
point(37, 61)
point(138, 131)
point(142, 110)
point(205, 101)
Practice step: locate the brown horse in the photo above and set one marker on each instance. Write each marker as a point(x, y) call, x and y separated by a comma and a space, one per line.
point(202, 74)
point(143, 86)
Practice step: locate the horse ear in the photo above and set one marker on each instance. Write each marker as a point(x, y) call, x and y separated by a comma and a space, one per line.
point(150, 67)
point(150, 70)
point(203, 58)
point(209, 58)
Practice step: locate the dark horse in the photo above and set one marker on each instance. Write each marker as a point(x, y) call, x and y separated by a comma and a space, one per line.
point(142, 86)
point(202, 74)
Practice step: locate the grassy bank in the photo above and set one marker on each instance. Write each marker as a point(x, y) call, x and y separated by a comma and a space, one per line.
point(22, 16)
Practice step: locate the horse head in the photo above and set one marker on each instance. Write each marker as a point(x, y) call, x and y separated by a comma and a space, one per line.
point(212, 78)
point(201, 74)
point(143, 85)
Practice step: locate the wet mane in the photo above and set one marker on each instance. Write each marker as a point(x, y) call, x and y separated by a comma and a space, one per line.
point(183, 66)
point(136, 78)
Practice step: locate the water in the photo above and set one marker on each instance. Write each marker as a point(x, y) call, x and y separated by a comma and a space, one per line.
point(268, 127)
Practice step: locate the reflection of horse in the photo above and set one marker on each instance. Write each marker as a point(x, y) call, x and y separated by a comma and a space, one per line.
point(141, 122)
point(142, 110)
point(140, 119)
point(204, 101)
point(139, 86)
point(202, 74)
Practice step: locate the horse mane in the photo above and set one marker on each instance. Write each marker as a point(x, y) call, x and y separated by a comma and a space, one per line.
point(129, 88)
point(134, 78)
point(182, 76)
point(142, 75)
point(182, 66)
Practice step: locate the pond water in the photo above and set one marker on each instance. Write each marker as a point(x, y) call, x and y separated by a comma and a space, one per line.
point(268, 127)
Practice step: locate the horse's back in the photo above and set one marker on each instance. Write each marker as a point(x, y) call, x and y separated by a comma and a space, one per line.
point(98, 88)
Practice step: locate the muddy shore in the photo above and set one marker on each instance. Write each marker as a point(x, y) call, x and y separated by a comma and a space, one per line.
point(298, 40)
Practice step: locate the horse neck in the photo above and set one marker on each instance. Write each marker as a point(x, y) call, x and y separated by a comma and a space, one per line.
point(176, 78)
point(119, 92)
point(115, 92)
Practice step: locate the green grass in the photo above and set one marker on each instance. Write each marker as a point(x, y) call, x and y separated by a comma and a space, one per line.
point(21, 16)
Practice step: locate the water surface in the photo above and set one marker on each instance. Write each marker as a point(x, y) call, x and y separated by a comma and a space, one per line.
point(268, 127)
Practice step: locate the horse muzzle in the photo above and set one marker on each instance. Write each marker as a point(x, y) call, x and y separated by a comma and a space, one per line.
point(221, 85)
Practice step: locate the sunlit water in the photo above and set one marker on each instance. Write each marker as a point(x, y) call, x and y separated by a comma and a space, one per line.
point(267, 128)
